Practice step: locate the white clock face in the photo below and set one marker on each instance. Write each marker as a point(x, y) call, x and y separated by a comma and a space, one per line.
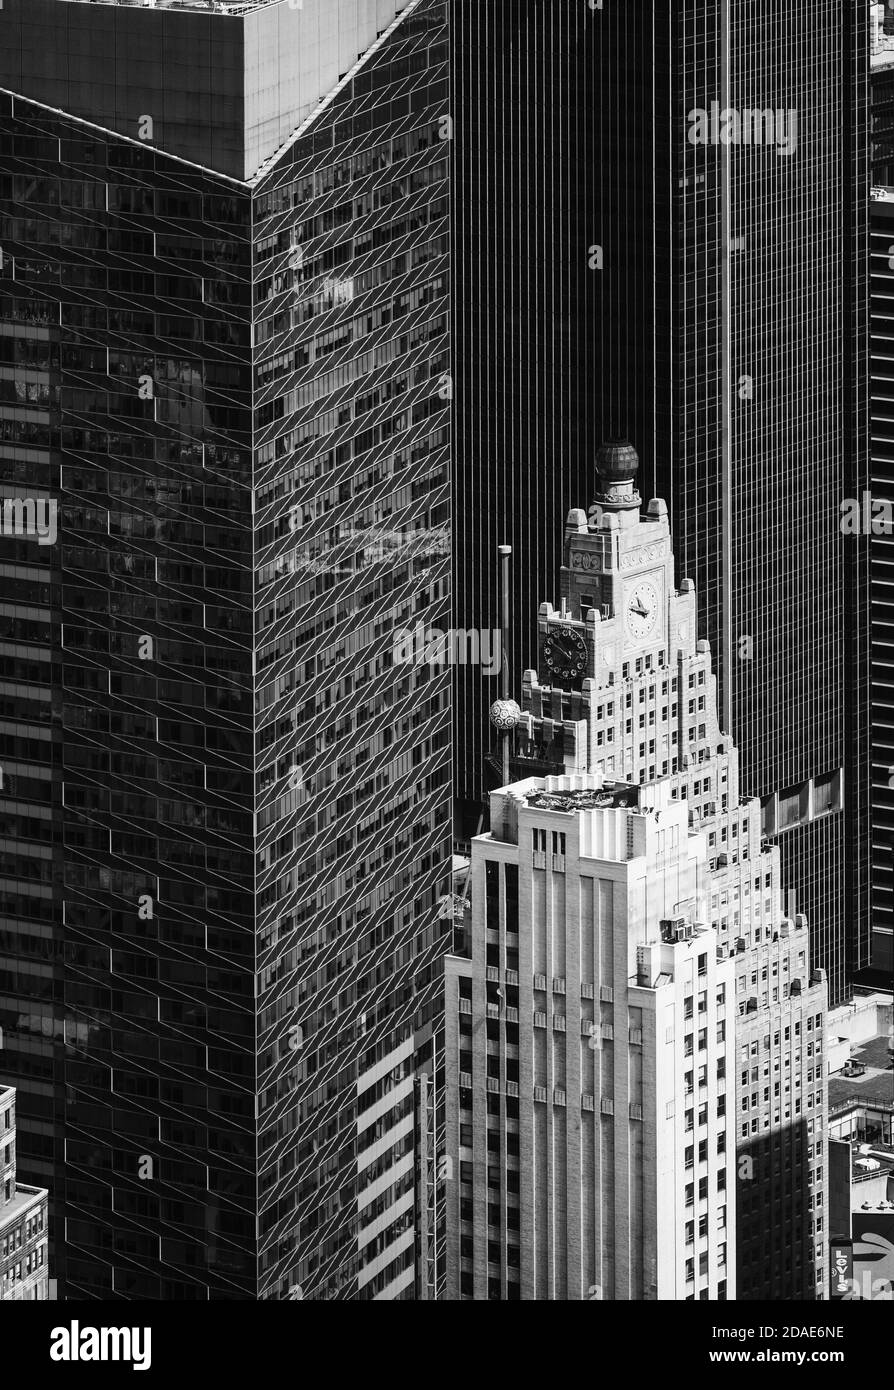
point(641, 609)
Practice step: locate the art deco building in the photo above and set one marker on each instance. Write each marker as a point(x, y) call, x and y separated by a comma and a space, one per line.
point(636, 1097)
point(666, 248)
point(224, 330)
point(24, 1267)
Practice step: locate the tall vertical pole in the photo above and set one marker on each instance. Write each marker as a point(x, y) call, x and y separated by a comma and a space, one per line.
point(505, 552)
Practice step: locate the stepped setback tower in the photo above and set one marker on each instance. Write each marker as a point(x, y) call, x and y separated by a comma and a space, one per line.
point(634, 1030)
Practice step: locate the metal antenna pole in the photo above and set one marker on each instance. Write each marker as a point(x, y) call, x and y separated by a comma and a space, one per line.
point(505, 552)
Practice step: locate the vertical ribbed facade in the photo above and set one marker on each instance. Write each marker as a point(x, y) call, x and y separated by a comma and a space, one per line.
point(882, 489)
point(226, 808)
point(720, 153)
point(743, 382)
point(524, 81)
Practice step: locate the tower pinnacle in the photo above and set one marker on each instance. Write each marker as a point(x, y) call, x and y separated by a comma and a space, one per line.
point(617, 464)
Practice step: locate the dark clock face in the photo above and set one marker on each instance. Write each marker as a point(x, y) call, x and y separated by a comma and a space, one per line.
point(565, 653)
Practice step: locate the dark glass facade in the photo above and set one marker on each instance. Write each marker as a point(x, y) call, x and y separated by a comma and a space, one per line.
point(881, 546)
point(524, 81)
point(698, 335)
point(219, 963)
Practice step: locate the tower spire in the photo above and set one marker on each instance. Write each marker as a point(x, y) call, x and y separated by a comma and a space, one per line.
point(617, 464)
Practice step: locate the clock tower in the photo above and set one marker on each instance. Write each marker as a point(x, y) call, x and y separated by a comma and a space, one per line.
point(617, 584)
point(617, 654)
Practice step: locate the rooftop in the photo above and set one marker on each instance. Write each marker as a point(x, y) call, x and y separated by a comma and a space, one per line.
point(25, 1198)
point(585, 799)
point(230, 84)
point(874, 1088)
point(871, 1160)
point(215, 6)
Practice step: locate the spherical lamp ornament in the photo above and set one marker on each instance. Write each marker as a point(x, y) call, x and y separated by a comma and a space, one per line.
point(617, 464)
point(617, 461)
point(505, 715)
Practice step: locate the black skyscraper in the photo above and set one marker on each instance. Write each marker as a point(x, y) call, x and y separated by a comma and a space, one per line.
point(223, 322)
point(685, 185)
point(882, 545)
point(524, 85)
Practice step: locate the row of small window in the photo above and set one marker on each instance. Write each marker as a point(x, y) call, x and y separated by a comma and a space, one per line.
point(787, 1063)
point(495, 1215)
point(494, 1289)
point(703, 1188)
point(772, 996)
point(690, 1115)
point(733, 834)
point(494, 1101)
point(539, 842)
point(742, 981)
point(703, 1039)
point(703, 1222)
point(777, 1115)
point(497, 1177)
point(703, 1261)
point(703, 1001)
point(704, 1294)
point(20, 1236)
point(814, 1021)
point(689, 1077)
point(814, 1098)
point(646, 774)
point(720, 901)
point(497, 1253)
point(758, 1256)
point(689, 1154)
point(22, 1268)
point(645, 663)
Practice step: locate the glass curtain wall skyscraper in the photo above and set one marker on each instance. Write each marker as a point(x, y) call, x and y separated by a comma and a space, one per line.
point(524, 83)
point(223, 328)
point(712, 288)
point(882, 487)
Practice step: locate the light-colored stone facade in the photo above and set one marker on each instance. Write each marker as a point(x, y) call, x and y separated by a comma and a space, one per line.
point(628, 950)
point(24, 1269)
